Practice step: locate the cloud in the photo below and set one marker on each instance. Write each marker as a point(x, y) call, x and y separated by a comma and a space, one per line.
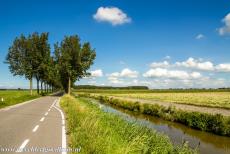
point(128, 73)
point(226, 28)
point(200, 36)
point(113, 15)
point(167, 57)
point(195, 75)
point(223, 67)
point(174, 74)
point(117, 77)
point(159, 64)
point(96, 73)
point(196, 64)
point(199, 64)
point(114, 75)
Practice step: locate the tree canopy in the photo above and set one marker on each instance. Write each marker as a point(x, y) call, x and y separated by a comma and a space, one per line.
point(73, 60)
point(31, 57)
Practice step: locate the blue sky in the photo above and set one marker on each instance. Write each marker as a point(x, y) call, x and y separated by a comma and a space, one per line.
point(158, 43)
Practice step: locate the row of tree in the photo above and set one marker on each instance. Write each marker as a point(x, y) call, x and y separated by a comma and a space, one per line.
point(30, 56)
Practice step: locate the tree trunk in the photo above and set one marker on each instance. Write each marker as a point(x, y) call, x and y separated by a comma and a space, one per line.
point(41, 87)
point(37, 85)
point(69, 86)
point(31, 88)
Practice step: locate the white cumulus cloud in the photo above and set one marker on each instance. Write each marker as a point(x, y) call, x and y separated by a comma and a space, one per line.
point(175, 74)
point(200, 36)
point(113, 15)
point(226, 28)
point(167, 57)
point(223, 67)
point(96, 73)
point(196, 64)
point(159, 64)
point(117, 77)
point(128, 73)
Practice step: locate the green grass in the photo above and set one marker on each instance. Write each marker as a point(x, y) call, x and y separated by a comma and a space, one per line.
point(216, 124)
point(12, 97)
point(95, 131)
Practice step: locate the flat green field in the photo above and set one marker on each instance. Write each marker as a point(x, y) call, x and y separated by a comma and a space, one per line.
point(11, 97)
point(209, 99)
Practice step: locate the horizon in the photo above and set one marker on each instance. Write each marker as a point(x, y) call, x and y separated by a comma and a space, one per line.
point(178, 45)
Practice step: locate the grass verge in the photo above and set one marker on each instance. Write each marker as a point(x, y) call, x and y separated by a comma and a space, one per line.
point(216, 124)
point(95, 131)
point(12, 97)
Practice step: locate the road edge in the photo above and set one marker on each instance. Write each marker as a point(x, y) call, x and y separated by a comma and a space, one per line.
point(57, 107)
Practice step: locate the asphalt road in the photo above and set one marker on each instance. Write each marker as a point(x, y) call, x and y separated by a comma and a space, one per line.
point(33, 127)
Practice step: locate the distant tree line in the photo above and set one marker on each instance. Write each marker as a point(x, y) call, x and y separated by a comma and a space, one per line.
point(30, 56)
point(109, 87)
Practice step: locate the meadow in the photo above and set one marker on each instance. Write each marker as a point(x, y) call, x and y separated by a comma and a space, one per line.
point(95, 131)
point(209, 98)
point(12, 97)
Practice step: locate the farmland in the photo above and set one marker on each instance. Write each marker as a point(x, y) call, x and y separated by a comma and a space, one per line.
point(219, 99)
point(11, 97)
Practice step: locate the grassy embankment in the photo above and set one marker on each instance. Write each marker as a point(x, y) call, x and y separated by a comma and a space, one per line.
point(216, 124)
point(95, 131)
point(12, 97)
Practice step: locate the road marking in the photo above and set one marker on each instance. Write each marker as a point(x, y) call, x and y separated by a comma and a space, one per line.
point(63, 128)
point(42, 119)
point(23, 145)
point(46, 113)
point(53, 103)
point(35, 128)
point(49, 110)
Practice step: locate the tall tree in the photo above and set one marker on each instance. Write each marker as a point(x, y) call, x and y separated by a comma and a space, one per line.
point(74, 60)
point(28, 56)
point(43, 57)
point(20, 59)
point(40, 52)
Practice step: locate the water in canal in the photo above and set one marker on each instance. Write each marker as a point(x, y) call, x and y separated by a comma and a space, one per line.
point(206, 143)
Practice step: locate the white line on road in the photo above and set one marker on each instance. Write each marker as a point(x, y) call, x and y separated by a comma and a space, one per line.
point(53, 103)
point(42, 119)
point(49, 110)
point(63, 129)
point(35, 128)
point(23, 145)
point(46, 113)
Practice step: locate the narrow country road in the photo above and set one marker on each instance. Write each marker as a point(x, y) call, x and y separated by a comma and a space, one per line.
point(33, 127)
